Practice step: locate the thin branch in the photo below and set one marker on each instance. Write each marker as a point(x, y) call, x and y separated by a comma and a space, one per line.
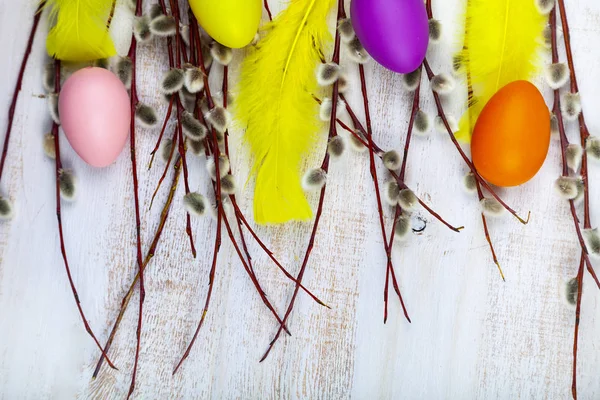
point(375, 179)
point(58, 171)
point(341, 13)
point(134, 101)
point(15, 96)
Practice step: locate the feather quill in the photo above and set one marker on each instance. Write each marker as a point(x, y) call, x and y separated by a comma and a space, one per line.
point(502, 43)
point(79, 30)
point(275, 102)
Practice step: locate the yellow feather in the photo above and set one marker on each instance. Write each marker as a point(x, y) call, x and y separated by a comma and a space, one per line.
point(502, 44)
point(80, 31)
point(275, 102)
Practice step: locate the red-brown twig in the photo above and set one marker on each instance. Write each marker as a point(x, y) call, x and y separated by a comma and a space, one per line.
point(341, 13)
point(373, 169)
point(565, 172)
point(182, 148)
point(466, 159)
point(15, 97)
point(379, 152)
point(266, 5)
point(218, 199)
point(63, 250)
point(134, 101)
point(166, 168)
point(151, 251)
point(162, 132)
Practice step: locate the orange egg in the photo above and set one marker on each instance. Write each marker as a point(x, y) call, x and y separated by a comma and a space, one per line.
point(512, 135)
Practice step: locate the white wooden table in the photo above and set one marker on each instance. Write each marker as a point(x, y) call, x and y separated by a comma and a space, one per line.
point(472, 335)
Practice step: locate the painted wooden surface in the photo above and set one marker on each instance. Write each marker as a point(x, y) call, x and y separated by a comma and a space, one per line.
point(472, 336)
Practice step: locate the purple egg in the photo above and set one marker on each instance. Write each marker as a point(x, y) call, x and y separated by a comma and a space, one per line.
point(394, 32)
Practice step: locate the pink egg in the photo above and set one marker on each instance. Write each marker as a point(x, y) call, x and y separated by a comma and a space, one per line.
point(95, 115)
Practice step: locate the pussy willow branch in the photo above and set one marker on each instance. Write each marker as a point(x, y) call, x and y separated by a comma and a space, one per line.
point(480, 195)
point(15, 96)
point(162, 131)
point(212, 143)
point(58, 169)
point(179, 53)
point(379, 152)
point(218, 199)
point(565, 171)
point(241, 220)
point(134, 101)
point(151, 251)
point(398, 209)
point(375, 179)
point(466, 159)
point(341, 14)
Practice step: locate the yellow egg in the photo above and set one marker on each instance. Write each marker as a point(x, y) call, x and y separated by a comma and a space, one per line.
point(233, 23)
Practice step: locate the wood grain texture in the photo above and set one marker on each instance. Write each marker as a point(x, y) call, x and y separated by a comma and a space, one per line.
point(472, 336)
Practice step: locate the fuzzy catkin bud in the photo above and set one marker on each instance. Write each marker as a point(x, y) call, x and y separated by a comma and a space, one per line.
point(572, 291)
point(48, 146)
point(442, 83)
point(566, 187)
point(53, 107)
point(545, 6)
point(592, 147)
point(391, 193)
point(6, 209)
point(556, 75)
point(402, 228)
point(155, 11)
point(163, 26)
point(422, 123)
point(141, 29)
point(314, 179)
point(192, 128)
point(392, 160)
point(124, 71)
point(441, 127)
point(346, 30)
point(221, 54)
point(411, 80)
point(228, 184)
point(571, 106)
point(357, 52)
point(196, 147)
point(574, 154)
point(223, 166)
point(219, 118)
point(194, 80)
point(435, 31)
point(325, 109)
point(592, 241)
point(195, 204)
point(470, 183)
point(408, 200)
point(491, 207)
point(336, 147)
point(166, 149)
point(49, 79)
point(67, 184)
point(327, 73)
point(172, 81)
point(146, 115)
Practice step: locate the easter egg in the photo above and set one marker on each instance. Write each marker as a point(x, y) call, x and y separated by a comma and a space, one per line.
point(512, 135)
point(233, 23)
point(394, 32)
point(95, 114)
